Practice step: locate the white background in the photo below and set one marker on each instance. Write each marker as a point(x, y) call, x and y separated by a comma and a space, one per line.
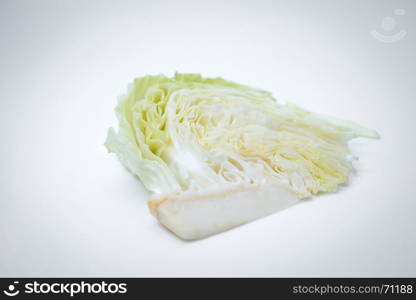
point(67, 208)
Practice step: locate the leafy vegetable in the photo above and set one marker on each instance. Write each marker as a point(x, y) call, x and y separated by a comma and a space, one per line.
point(189, 136)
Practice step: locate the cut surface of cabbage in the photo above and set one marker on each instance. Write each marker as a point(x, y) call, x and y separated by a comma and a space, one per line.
point(217, 154)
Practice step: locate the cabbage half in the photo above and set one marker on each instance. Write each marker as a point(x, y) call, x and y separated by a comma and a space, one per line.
point(217, 154)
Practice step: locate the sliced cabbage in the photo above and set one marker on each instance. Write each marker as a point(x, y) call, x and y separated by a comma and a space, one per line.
point(190, 138)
